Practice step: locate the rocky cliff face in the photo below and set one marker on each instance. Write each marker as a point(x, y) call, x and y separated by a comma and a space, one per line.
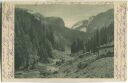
point(95, 22)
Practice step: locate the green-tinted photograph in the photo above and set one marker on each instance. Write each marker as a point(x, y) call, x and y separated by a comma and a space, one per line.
point(64, 41)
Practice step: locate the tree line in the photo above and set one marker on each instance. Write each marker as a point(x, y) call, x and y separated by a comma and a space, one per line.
point(95, 40)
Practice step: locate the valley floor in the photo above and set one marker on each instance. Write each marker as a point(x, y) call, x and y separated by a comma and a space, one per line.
point(65, 65)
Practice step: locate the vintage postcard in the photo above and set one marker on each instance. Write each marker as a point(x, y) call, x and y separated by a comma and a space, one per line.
point(64, 40)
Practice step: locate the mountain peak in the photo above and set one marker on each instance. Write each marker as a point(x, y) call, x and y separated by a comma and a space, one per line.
point(55, 20)
point(82, 25)
point(95, 22)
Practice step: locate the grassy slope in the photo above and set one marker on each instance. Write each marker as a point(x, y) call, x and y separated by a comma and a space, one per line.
point(91, 67)
point(101, 68)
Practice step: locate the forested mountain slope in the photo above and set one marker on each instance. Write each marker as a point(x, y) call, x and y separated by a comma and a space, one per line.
point(99, 21)
point(36, 36)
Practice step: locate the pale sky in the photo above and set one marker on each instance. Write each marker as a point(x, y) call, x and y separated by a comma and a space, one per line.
point(71, 14)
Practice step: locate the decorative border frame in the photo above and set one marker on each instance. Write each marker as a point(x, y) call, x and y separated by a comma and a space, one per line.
point(120, 27)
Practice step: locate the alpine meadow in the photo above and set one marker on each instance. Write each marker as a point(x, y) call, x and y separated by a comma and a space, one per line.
point(64, 41)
